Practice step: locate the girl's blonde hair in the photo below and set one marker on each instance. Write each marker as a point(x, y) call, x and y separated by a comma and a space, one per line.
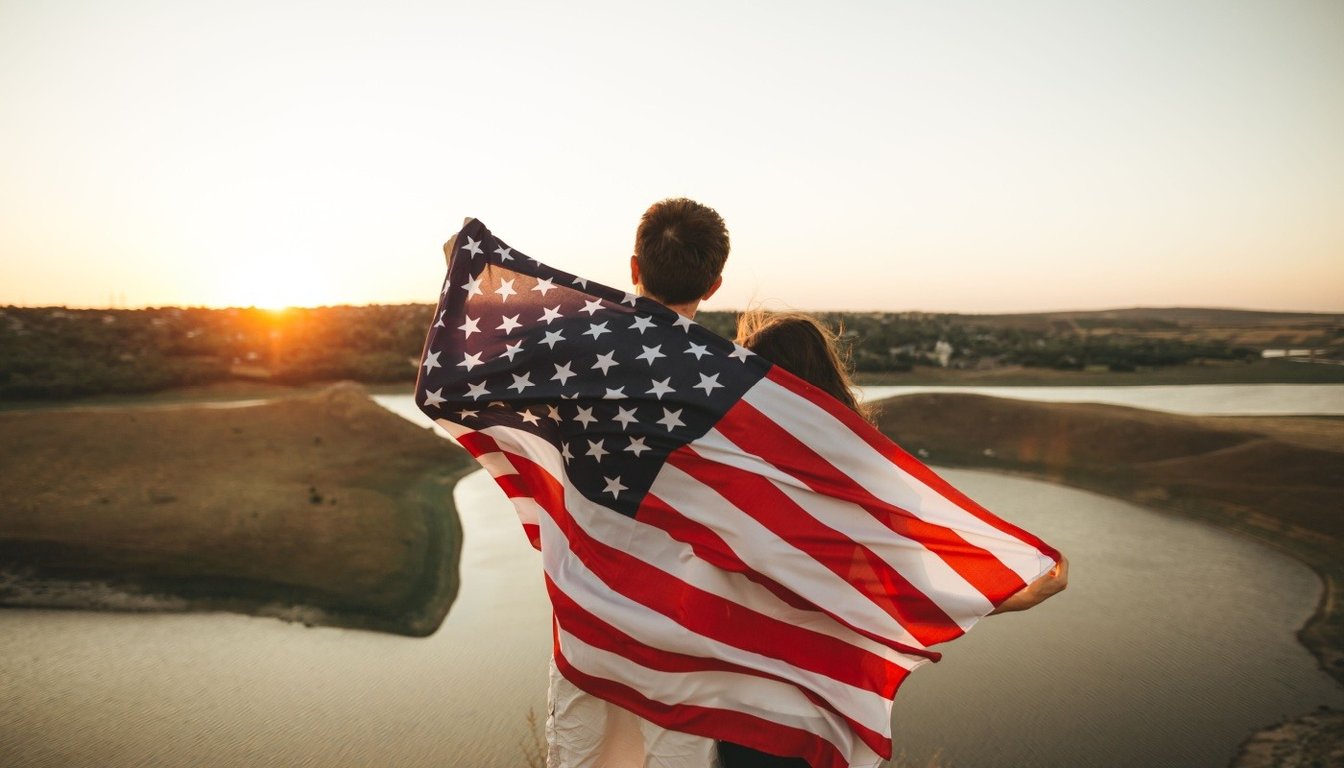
point(804, 347)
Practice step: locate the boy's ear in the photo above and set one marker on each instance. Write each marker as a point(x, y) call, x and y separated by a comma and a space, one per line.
point(718, 281)
point(634, 271)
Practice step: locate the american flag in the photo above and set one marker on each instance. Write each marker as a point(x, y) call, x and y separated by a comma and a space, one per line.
point(729, 551)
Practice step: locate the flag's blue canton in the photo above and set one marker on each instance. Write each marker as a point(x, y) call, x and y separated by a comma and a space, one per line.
point(615, 381)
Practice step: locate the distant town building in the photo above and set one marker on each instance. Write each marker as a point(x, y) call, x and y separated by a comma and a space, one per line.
point(942, 352)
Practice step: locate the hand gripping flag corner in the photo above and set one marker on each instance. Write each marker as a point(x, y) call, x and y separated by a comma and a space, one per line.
point(728, 550)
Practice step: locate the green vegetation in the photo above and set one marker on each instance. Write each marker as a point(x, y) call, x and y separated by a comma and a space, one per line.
point(54, 353)
point(51, 353)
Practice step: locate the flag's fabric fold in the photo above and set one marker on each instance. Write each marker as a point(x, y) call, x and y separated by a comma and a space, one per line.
point(728, 550)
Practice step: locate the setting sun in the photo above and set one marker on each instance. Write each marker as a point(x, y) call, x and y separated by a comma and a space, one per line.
point(273, 284)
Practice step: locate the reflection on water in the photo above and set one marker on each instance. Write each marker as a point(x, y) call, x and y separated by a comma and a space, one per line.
point(1173, 641)
point(1193, 399)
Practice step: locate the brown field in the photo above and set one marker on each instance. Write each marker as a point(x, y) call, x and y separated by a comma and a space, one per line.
point(1280, 480)
point(320, 505)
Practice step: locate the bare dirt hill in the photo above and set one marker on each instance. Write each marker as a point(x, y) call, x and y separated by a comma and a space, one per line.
point(323, 501)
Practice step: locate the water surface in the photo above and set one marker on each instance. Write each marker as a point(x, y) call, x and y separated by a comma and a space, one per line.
point(1173, 641)
point(1193, 399)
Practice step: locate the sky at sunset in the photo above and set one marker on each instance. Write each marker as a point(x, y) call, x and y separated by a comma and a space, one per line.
point(959, 156)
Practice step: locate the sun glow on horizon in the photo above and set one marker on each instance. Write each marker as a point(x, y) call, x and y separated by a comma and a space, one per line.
point(275, 284)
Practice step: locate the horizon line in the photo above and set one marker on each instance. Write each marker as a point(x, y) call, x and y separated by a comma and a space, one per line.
point(1130, 308)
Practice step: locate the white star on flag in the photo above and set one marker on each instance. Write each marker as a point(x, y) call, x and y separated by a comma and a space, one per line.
point(614, 486)
point(671, 419)
point(595, 449)
point(626, 418)
point(650, 353)
point(709, 383)
point(563, 373)
point(660, 388)
point(605, 362)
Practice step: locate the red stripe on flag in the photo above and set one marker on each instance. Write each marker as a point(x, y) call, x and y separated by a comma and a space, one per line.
point(702, 612)
point(709, 546)
point(721, 724)
point(854, 563)
point(592, 630)
point(898, 456)
point(477, 443)
point(755, 433)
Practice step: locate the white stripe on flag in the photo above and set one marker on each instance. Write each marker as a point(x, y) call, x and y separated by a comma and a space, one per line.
point(924, 569)
point(849, 454)
point(653, 546)
point(765, 552)
point(928, 572)
point(657, 631)
point(767, 699)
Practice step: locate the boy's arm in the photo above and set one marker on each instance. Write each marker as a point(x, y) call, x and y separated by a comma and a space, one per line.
point(450, 247)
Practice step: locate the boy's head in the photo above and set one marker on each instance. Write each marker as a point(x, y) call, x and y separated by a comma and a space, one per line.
point(680, 250)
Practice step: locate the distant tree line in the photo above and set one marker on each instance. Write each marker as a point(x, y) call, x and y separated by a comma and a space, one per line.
point(57, 353)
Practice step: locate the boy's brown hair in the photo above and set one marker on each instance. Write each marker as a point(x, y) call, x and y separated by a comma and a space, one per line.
point(681, 247)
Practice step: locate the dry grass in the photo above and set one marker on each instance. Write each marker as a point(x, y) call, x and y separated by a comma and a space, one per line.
point(324, 500)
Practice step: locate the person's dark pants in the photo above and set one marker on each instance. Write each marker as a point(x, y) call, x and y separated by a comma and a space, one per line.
point(737, 756)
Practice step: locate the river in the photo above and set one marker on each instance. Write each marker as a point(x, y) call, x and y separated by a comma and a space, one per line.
point(1174, 641)
point(1193, 399)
